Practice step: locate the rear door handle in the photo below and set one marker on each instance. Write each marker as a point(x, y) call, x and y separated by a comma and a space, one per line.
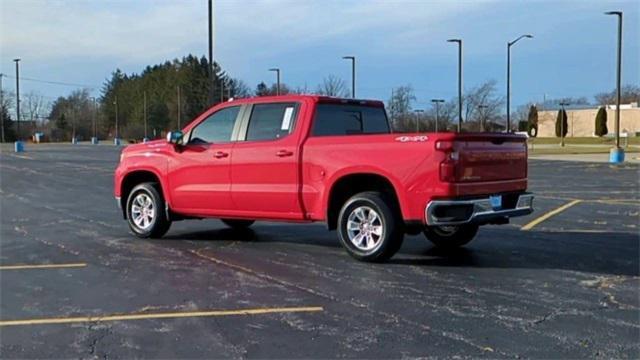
point(220, 154)
point(283, 153)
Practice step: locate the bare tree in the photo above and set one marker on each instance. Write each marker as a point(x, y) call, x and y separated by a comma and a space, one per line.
point(333, 86)
point(399, 107)
point(35, 106)
point(628, 94)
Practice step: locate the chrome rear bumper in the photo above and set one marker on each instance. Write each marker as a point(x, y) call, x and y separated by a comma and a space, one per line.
point(477, 211)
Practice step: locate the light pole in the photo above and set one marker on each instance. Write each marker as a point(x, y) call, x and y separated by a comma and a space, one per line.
point(459, 42)
point(617, 154)
point(211, 61)
point(1, 107)
point(509, 44)
point(116, 139)
point(418, 112)
point(437, 102)
point(94, 139)
point(179, 106)
point(18, 135)
point(482, 116)
point(144, 114)
point(353, 74)
point(277, 71)
point(562, 104)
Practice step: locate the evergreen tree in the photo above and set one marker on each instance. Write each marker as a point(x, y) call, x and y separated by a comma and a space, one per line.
point(601, 122)
point(7, 124)
point(561, 124)
point(532, 121)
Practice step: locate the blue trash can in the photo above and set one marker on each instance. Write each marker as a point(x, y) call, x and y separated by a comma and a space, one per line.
point(18, 146)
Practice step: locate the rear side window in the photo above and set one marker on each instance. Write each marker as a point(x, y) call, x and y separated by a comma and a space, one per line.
point(271, 121)
point(216, 128)
point(346, 119)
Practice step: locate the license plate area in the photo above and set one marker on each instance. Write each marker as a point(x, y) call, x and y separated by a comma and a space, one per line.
point(496, 202)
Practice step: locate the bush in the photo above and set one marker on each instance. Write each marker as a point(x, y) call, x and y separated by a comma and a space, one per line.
point(523, 125)
point(561, 123)
point(532, 120)
point(601, 122)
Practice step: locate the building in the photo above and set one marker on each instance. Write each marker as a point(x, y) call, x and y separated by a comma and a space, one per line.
point(582, 120)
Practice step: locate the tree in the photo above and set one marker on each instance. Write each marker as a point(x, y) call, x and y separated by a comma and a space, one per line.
point(561, 124)
point(532, 121)
point(333, 86)
point(628, 94)
point(399, 107)
point(8, 133)
point(483, 104)
point(601, 122)
point(34, 105)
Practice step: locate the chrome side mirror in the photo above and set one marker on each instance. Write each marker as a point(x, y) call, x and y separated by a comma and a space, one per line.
point(175, 137)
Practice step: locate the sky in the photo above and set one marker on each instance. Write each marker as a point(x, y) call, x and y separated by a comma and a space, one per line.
point(572, 54)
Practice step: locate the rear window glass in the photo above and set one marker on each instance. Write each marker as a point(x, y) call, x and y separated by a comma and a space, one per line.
point(347, 119)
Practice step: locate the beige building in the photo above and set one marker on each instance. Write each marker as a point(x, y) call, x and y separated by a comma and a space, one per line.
point(582, 122)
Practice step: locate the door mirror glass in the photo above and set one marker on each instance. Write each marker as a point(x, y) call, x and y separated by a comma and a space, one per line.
point(175, 137)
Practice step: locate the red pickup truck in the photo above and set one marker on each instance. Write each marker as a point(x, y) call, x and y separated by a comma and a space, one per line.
point(311, 158)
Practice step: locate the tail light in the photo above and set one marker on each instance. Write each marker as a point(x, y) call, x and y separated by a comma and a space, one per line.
point(448, 165)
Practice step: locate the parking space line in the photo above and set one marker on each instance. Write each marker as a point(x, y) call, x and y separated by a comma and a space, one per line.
point(42, 266)
point(549, 214)
point(168, 315)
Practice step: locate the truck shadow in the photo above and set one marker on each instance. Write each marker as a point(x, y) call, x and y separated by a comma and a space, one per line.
point(605, 253)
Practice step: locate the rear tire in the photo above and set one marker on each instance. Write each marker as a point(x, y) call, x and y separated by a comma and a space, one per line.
point(369, 228)
point(146, 212)
point(451, 237)
point(238, 223)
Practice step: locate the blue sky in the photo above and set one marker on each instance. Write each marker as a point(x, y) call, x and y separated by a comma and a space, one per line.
point(396, 42)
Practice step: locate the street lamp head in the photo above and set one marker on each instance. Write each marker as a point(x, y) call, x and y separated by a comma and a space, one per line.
point(349, 57)
point(16, 59)
point(528, 36)
point(619, 13)
point(455, 40)
point(437, 100)
point(274, 69)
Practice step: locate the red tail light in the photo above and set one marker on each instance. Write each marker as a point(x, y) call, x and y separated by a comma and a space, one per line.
point(448, 165)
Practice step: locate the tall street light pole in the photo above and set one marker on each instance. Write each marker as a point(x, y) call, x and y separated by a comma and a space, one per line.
point(116, 140)
point(17, 61)
point(277, 71)
point(437, 102)
point(1, 107)
point(353, 74)
point(617, 153)
point(144, 107)
point(211, 61)
point(418, 112)
point(459, 42)
point(509, 44)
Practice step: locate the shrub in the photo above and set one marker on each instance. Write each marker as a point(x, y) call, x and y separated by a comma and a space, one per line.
point(561, 123)
point(523, 125)
point(601, 122)
point(532, 120)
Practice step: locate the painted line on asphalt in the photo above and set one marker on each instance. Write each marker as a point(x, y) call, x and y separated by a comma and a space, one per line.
point(551, 213)
point(166, 315)
point(42, 266)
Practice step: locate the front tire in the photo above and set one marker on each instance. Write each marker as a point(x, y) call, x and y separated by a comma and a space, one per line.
point(146, 212)
point(369, 227)
point(451, 237)
point(238, 224)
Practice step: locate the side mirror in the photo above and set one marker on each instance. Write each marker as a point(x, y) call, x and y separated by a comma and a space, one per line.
point(175, 137)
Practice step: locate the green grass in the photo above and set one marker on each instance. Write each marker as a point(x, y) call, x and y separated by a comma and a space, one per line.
point(584, 140)
point(576, 150)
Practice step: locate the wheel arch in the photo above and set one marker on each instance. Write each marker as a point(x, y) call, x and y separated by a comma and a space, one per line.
point(350, 184)
point(134, 178)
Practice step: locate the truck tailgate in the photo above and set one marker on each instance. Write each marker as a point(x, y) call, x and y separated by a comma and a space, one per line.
point(490, 157)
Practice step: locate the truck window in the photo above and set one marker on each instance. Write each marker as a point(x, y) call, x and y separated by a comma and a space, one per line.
point(347, 119)
point(216, 128)
point(271, 121)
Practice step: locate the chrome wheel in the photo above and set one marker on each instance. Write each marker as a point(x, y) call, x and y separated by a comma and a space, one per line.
point(142, 211)
point(364, 228)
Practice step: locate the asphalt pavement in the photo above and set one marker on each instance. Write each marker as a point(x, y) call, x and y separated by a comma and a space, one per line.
point(563, 282)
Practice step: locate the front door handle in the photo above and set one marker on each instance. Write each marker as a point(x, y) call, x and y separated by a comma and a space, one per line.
point(220, 154)
point(283, 153)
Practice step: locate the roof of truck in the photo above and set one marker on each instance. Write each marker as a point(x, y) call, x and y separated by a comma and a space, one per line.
point(316, 98)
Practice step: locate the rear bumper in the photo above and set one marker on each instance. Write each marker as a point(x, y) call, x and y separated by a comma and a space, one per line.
point(475, 211)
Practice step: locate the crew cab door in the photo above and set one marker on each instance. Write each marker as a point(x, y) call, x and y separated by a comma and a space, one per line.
point(265, 173)
point(200, 174)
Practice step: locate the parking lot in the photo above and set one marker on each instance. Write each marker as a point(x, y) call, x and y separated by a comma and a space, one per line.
point(563, 282)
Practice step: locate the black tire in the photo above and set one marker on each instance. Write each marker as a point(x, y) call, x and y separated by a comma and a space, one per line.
point(451, 237)
point(391, 234)
point(238, 223)
point(158, 224)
